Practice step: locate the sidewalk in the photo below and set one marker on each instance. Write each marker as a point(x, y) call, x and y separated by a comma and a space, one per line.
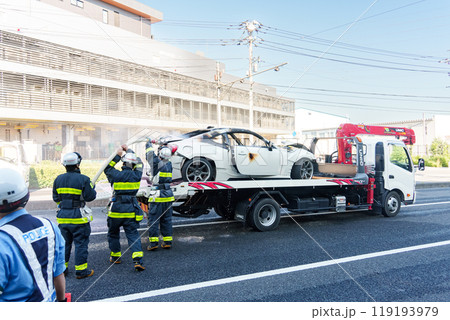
point(430, 178)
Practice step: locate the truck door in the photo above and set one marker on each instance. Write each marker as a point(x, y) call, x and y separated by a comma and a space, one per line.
point(255, 157)
point(400, 170)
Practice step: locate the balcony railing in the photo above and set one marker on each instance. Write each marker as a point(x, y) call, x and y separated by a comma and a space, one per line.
point(30, 51)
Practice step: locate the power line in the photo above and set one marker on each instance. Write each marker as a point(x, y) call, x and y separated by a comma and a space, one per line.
point(273, 48)
point(362, 93)
point(327, 104)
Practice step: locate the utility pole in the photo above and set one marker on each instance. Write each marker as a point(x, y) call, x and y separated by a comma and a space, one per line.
point(251, 27)
point(217, 77)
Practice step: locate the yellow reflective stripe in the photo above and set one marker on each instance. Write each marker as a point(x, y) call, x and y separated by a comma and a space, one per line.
point(126, 185)
point(112, 163)
point(168, 199)
point(139, 165)
point(149, 149)
point(72, 221)
point(67, 264)
point(121, 214)
point(139, 217)
point(167, 239)
point(68, 191)
point(165, 174)
point(81, 267)
point(153, 239)
point(116, 254)
point(137, 254)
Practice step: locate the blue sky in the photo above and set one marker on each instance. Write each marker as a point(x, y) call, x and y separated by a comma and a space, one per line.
point(374, 61)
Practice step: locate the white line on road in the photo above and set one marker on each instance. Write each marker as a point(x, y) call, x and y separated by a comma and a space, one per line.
point(427, 204)
point(199, 285)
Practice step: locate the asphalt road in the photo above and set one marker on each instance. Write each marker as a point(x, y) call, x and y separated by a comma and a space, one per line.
point(356, 256)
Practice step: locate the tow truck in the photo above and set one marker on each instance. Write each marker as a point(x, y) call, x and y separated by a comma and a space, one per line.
point(371, 170)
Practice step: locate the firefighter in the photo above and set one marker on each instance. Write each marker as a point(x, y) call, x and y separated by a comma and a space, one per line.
point(71, 191)
point(160, 208)
point(32, 249)
point(124, 210)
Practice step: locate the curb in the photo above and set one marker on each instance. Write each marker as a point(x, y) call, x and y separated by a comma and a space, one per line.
point(427, 185)
point(51, 206)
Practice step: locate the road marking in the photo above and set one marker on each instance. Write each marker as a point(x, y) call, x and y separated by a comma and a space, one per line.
point(200, 285)
point(427, 204)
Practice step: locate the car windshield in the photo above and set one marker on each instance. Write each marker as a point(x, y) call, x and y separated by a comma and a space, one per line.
point(9, 153)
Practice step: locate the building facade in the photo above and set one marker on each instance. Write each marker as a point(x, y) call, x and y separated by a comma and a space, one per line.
point(87, 74)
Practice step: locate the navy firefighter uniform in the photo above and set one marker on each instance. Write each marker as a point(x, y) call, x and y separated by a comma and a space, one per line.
point(71, 191)
point(160, 206)
point(124, 209)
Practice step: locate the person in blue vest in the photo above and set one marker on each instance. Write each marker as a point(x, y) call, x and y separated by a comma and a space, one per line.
point(32, 249)
point(124, 209)
point(160, 206)
point(71, 191)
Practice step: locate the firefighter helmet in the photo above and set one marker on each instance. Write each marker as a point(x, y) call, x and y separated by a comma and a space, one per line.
point(13, 190)
point(71, 159)
point(130, 157)
point(165, 153)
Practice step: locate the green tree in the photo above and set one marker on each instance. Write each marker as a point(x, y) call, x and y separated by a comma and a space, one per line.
point(439, 153)
point(439, 148)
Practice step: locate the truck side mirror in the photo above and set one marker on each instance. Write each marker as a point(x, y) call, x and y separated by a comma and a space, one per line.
point(421, 164)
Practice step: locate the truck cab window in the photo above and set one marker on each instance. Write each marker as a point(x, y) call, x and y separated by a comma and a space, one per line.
point(398, 155)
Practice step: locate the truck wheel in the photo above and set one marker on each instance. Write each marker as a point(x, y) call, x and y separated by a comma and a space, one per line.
point(197, 170)
point(224, 212)
point(302, 169)
point(265, 215)
point(391, 205)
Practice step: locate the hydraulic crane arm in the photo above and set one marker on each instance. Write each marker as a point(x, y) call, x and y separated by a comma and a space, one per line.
point(348, 130)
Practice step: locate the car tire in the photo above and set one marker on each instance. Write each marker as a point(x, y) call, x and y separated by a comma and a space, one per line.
point(302, 169)
point(197, 170)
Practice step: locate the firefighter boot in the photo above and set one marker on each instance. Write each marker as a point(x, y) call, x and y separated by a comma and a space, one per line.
point(166, 245)
point(138, 265)
point(115, 260)
point(84, 274)
point(153, 246)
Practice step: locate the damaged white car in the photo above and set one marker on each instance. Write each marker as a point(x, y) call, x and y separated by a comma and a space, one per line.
point(224, 154)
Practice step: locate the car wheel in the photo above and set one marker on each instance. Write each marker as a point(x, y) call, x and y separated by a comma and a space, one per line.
point(391, 205)
point(197, 170)
point(302, 169)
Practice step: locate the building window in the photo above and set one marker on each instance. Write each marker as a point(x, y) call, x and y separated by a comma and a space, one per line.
point(78, 3)
point(116, 19)
point(105, 16)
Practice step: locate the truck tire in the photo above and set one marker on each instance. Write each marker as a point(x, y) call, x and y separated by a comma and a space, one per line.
point(226, 213)
point(265, 215)
point(391, 204)
point(302, 169)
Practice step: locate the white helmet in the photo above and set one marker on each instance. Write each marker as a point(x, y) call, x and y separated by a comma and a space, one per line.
point(13, 190)
point(71, 159)
point(130, 157)
point(165, 153)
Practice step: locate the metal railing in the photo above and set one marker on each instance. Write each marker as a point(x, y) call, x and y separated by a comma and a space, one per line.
point(30, 51)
